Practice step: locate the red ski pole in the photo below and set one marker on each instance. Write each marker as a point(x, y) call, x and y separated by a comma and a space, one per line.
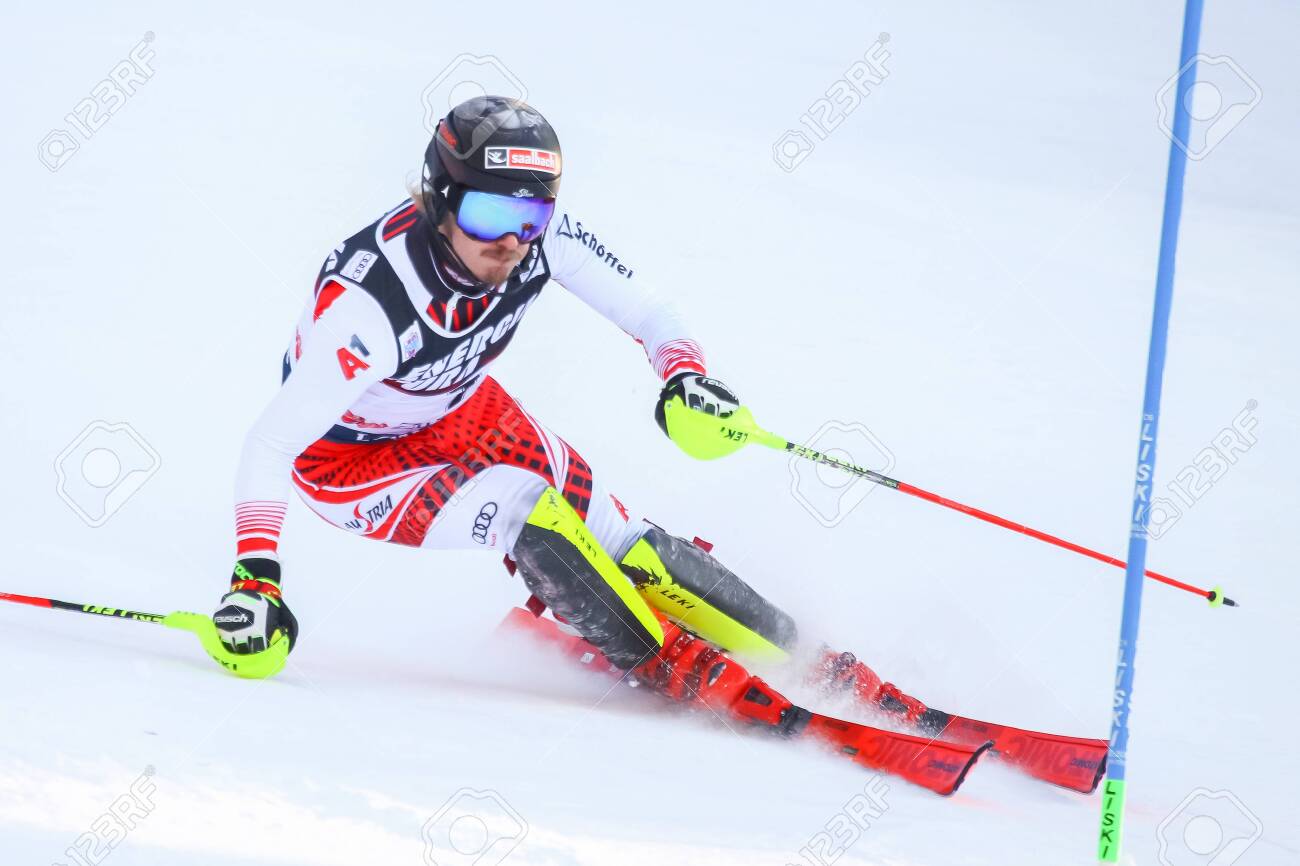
point(740, 425)
point(1215, 596)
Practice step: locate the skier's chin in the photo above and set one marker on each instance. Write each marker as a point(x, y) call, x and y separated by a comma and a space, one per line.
point(494, 270)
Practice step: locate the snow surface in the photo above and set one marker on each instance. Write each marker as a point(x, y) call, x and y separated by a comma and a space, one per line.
point(965, 266)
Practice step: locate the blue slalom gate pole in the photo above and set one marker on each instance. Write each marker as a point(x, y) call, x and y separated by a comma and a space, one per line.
point(1112, 808)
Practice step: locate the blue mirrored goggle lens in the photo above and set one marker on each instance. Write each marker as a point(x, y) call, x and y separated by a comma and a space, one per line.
point(487, 216)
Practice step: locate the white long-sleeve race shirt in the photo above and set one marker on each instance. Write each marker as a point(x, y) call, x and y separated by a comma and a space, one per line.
point(387, 346)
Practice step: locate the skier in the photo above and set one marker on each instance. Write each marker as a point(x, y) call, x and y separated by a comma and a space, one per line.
point(389, 425)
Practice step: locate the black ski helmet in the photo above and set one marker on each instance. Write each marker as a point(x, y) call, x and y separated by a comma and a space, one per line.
point(491, 144)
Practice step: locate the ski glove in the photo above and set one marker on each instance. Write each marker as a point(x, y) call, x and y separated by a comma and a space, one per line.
point(687, 411)
point(253, 611)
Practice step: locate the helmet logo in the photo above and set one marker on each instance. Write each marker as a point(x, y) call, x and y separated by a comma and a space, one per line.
point(522, 158)
point(523, 192)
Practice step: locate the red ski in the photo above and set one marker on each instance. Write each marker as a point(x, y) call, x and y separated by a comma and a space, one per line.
point(1071, 762)
point(934, 764)
point(939, 766)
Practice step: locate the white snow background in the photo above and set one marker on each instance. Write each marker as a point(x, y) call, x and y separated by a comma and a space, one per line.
point(964, 266)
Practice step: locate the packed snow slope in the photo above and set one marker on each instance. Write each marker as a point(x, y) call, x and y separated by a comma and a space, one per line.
point(963, 266)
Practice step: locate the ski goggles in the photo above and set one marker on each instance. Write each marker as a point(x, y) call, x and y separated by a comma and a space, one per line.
point(487, 216)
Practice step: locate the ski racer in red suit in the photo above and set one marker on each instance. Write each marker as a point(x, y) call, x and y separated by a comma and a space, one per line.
point(389, 426)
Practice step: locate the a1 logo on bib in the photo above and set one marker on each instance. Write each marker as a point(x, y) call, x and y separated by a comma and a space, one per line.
point(349, 363)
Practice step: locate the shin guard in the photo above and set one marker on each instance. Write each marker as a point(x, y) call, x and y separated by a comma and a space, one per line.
point(694, 589)
point(564, 565)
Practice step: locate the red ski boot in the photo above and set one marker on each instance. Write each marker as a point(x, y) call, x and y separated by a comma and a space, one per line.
point(843, 671)
point(689, 669)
